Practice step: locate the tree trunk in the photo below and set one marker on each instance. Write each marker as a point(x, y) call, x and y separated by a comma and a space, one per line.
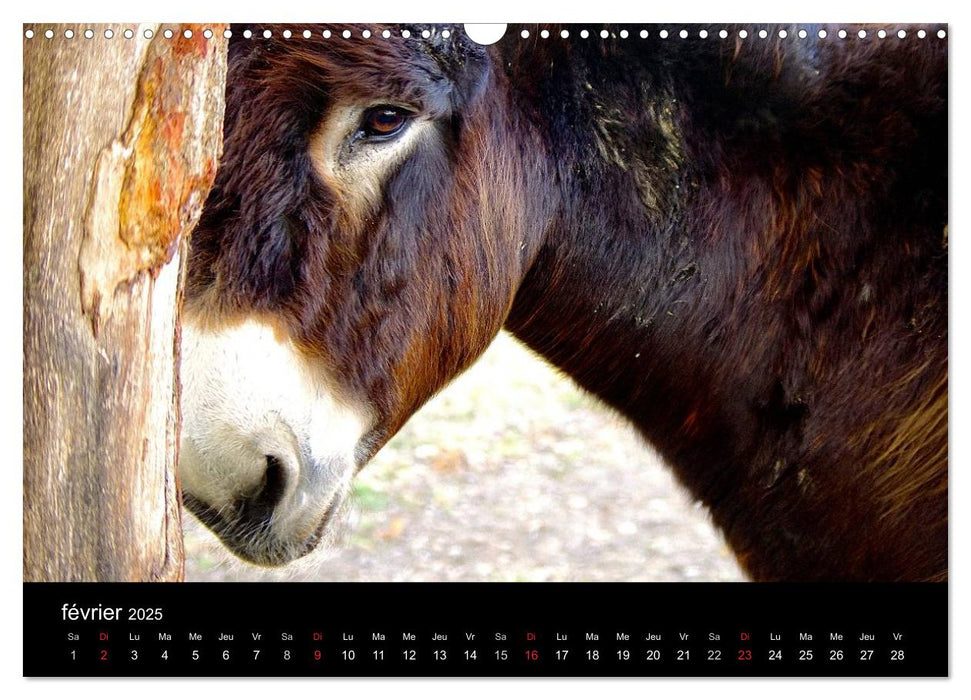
point(121, 142)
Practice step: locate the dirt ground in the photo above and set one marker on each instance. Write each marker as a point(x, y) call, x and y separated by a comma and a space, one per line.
point(510, 474)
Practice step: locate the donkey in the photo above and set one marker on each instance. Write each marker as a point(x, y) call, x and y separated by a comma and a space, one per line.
point(738, 243)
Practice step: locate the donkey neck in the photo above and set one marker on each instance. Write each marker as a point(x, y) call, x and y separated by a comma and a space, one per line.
point(624, 290)
point(622, 308)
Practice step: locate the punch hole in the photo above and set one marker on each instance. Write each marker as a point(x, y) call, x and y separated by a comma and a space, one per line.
point(485, 34)
point(624, 34)
point(881, 34)
point(524, 34)
point(108, 34)
point(405, 33)
point(841, 33)
point(49, 34)
point(148, 33)
point(783, 33)
point(287, 34)
point(29, 34)
point(128, 34)
point(584, 34)
point(168, 33)
point(604, 33)
point(683, 33)
point(187, 34)
point(821, 33)
point(88, 33)
point(803, 33)
point(663, 34)
point(366, 34)
point(901, 34)
point(643, 34)
point(346, 33)
point(247, 34)
point(921, 34)
point(446, 34)
point(68, 33)
point(386, 33)
point(763, 34)
point(743, 34)
point(425, 34)
point(703, 34)
point(545, 34)
point(723, 34)
point(207, 33)
point(861, 34)
point(267, 33)
point(325, 34)
point(227, 33)
point(941, 34)
point(564, 34)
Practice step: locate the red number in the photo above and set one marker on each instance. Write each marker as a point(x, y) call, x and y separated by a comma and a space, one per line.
point(744, 654)
point(104, 654)
point(316, 654)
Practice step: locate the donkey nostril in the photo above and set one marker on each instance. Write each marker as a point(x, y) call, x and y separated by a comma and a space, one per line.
point(274, 482)
point(261, 501)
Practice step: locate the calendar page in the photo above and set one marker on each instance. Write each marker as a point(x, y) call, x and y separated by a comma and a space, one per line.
point(485, 350)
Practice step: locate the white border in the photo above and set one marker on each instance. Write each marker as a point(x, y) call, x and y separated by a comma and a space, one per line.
point(492, 11)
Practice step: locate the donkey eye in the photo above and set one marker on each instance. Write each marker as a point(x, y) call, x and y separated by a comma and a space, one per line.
point(384, 121)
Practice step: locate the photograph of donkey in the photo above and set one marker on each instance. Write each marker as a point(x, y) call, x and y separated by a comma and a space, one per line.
point(738, 242)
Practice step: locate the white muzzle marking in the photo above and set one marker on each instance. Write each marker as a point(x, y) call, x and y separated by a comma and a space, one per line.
point(251, 399)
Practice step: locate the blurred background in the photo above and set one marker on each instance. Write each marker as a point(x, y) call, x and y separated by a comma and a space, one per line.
point(510, 474)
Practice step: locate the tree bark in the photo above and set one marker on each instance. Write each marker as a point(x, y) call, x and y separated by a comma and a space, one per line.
point(121, 142)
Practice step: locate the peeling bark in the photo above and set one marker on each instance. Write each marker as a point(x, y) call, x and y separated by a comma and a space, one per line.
point(121, 141)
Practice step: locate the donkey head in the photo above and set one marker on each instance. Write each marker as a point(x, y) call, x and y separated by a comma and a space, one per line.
point(361, 246)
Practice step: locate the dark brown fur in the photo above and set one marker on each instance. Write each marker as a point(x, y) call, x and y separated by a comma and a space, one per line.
point(739, 244)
